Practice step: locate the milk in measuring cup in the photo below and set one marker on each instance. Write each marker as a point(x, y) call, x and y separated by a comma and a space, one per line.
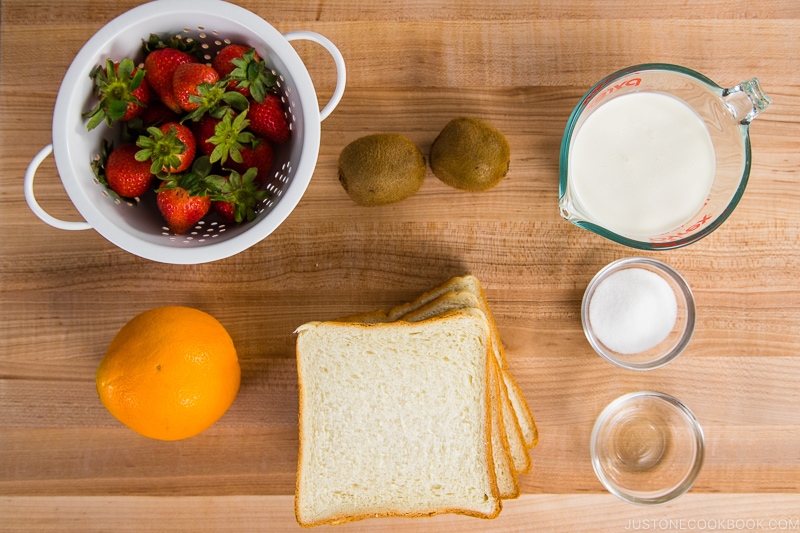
point(642, 164)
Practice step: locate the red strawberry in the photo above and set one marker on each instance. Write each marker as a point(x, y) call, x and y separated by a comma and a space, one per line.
point(225, 210)
point(222, 62)
point(244, 70)
point(122, 91)
point(268, 119)
point(230, 138)
point(170, 148)
point(124, 174)
point(238, 198)
point(160, 68)
point(186, 82)
point(257, 154)
point(184, 199)
point(203, 130)
point(157, 113)
point(180, 209)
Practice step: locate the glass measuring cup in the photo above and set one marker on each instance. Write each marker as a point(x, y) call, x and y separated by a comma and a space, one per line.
point(726, 115)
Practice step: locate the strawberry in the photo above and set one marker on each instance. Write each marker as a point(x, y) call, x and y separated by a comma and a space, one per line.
point(181, 209)
point(230, 138)
point(170, 148)
point(244, 70)
point(257, 154)
point(157, 113)
point(160, 68)
point(223, 61)
point(213, 99)
point(183, 199)
point(203, 130)
point(122, 173)
point(238, 197)
point(186, 81)
point(225, 210)
point(122, 91)
point(268, 119)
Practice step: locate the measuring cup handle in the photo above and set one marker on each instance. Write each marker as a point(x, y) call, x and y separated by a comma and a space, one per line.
point(31, 199)
point(746, 100)
point(341, 72)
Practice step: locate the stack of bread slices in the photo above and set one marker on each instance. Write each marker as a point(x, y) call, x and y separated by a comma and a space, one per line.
point(409, 412)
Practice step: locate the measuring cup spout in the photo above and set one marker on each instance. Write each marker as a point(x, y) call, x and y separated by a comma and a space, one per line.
point(746, 100)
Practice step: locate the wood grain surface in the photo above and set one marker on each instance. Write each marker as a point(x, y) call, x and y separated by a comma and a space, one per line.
point(67, 465)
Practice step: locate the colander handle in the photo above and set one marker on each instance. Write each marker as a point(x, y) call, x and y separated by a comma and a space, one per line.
point(341, 72)
point(31, 199)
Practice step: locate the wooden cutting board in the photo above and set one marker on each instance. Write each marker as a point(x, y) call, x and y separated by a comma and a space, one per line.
point(67, 464)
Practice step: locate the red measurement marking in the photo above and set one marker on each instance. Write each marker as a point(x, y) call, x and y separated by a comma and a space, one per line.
point(683, 233)
point(606, 90)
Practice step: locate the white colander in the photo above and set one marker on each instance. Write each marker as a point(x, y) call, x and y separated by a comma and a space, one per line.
point(139, 229)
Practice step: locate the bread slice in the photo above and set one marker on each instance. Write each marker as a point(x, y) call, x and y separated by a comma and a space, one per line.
point(395, 419)
point(505, 471)
point(506, 463)
point(472, 284)
point(515, 441)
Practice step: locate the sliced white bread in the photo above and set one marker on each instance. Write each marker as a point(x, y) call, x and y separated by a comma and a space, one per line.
point(505, 471)
point(472, 284)
point(504, 438)
point(395, 420)
point(518, 449)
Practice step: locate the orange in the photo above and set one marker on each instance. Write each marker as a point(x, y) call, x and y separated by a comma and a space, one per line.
point(169, 373)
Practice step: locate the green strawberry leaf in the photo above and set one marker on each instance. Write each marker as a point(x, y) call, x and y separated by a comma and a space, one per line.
point(116, 109)
point(96, 119)
point(243, 192)
point(210, 98)
point(202, 166)
point(229, 138)
point(253, 74)
point(136, 81)
point(235, 100)
point(113, 87)
point(154, 42)
point(126, 68)
point(162, 150)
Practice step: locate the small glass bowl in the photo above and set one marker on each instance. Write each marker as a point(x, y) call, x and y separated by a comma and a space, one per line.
point(675, 341)
point(647, 448)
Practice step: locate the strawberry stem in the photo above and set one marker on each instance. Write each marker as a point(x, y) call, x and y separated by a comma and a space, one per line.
point(253, 74)
point(214, 99)
point(230, 137)
point(198, 181)
point(242, 191)
point(163, 150)
point(114, 87)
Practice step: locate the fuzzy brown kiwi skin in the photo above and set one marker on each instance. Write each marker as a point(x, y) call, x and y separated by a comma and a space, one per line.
point(470, 155)
point(380, 169)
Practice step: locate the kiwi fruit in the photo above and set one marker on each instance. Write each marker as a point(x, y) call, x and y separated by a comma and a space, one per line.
point(470, 155)
point(381, 169)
